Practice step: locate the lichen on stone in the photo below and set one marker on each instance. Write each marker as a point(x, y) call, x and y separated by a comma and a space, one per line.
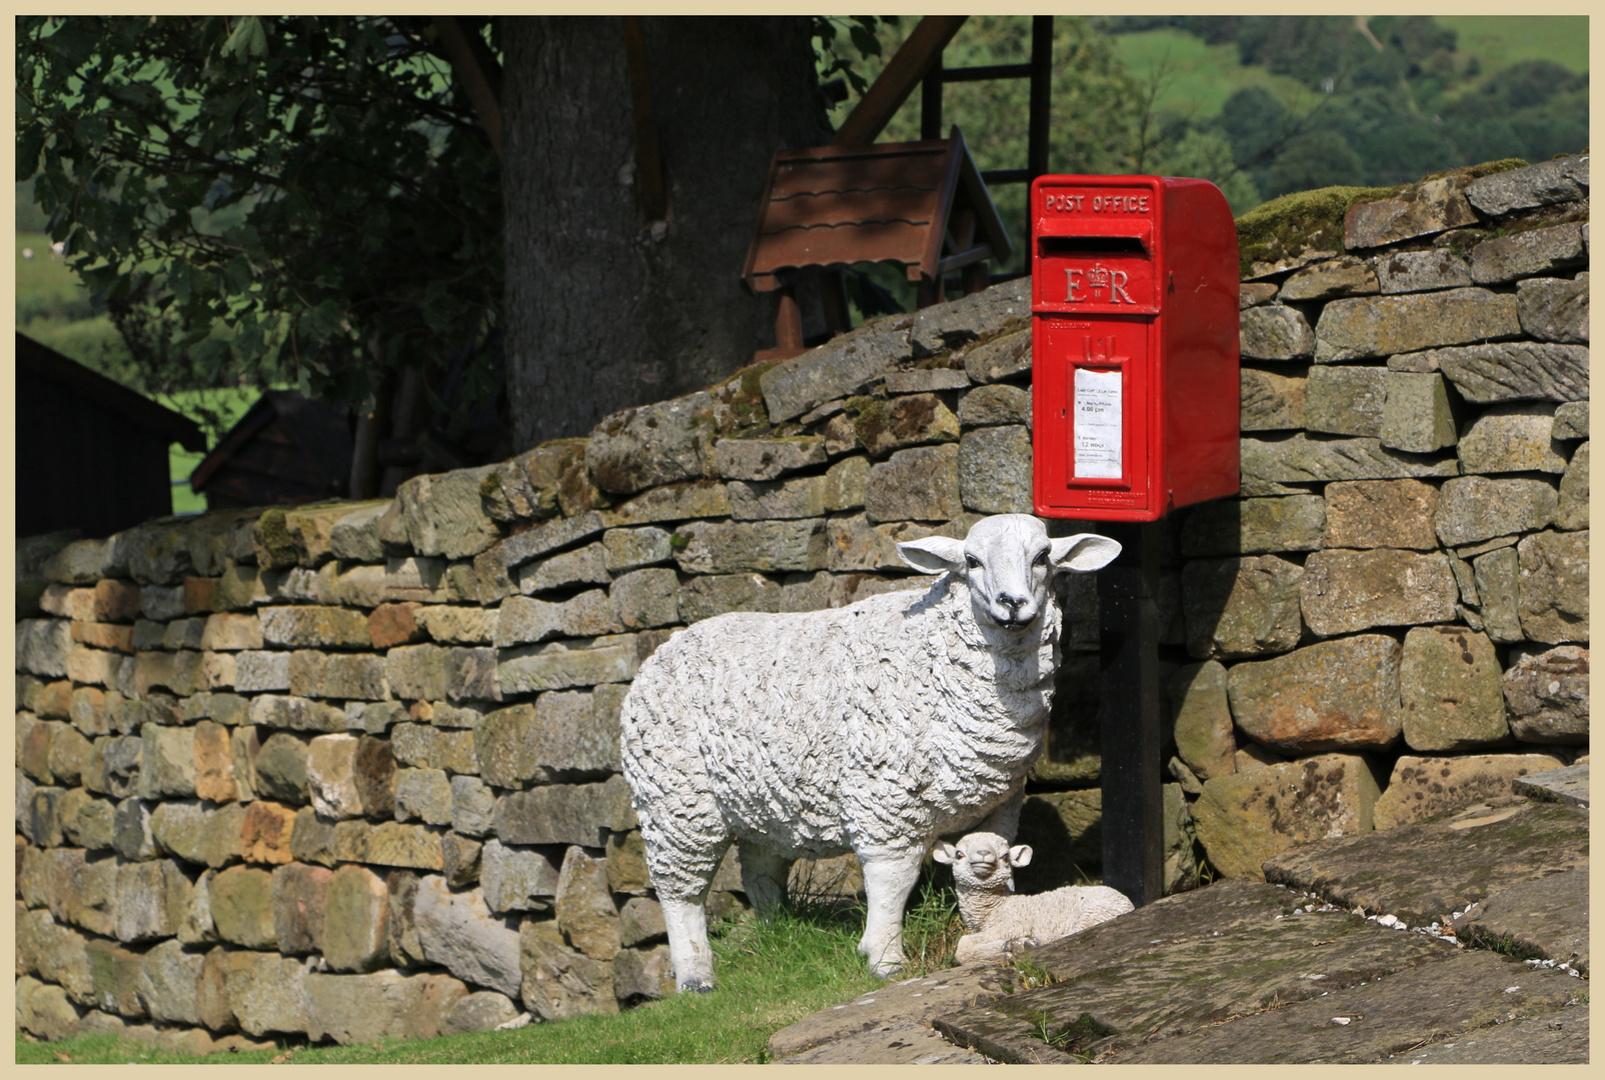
point(1292, 223)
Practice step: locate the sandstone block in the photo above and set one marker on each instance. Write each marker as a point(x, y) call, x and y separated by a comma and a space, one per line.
point(425, 747)
point(395, 624)
point(356, 920)
point(797, 497)
point(150, 900)
point(258, 671)
point(988, 406)
point(673, 502)
point(417, 672)
point(1300, 459)
point(641, 921)
point(1514, 371)
point(1423, 786)
point(655, 444)
point(309, 626)
point(86, 821)
point(199, 832)
point(131, 830)
point(519, 878)
point(296, 714)
point(583, 566)
point(1380, 326)
point(564, 813)
point(482, 1010)
point(279, 769)
point(1254, 526)
point(835, 369)
point(628, 549)
point(299, 904)
point(1449, 686)
point(354, 536)
point(1497, 577)
point(1546, 694)
point(1241, 606)
point(459, 932)
point(560, 982)
point(242, 908)
point(424, 795)
point(1434, 206)
point(642, 599)
point(54, 952)
point(414, 846)
point(1381, 513)
point(1571, 511)
point(766, 459)
point(471, 675)
point(737, 546)
point(357, 1009)
point(921, 484)
point(585, 911)
point(444, 514)
point(1527, 254)
point(1554, 586)
point(1345, 591)
point(42, 646)
point(714, 594)
point(994, 470)
point(1338, 695)
point(1416, 415)
point(265, 831)
point(472, 805)
point(45, 1010)
point(1543, 184)
point(1275, 332)
point(1202, 719)
point(643, 973)
point(1554, 309)
point(1246, 818)
point(1270, 402)
point(450, 624)
point(626, 864)
point(268, 993)
point(1342, 276)
point(1511, 438)
point(1422, 271)
point(1473, 508)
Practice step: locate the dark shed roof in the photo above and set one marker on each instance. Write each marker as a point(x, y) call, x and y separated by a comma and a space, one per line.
point(285, 449)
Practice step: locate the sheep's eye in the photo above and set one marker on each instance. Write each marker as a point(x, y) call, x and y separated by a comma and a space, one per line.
point(1041, 559)
point(971, 561)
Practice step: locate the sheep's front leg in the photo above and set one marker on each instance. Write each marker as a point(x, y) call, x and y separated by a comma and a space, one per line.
point(689, 954)
point(888, 878)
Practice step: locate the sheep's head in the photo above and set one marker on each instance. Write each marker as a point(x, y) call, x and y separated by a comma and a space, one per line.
point(1009, 562)
point(983, 861)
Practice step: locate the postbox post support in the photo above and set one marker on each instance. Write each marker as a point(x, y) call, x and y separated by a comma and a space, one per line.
point(1129, 714)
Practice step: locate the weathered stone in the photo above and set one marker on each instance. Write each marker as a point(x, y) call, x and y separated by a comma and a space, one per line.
point(299, 907)
point(1554, 586)
point(424, 795)
point(1527, 254)
point(42, 646)
point(1547, 917)
point(265, 831)
point(562, 664)
point(884, 426)
point(1342, 276)
point(1449, 687)
point(1275, 332)
point(354, 536)
point(471, 675)
point(650, 445)
point(643, 973)
point(167, 981)
point(1241, 607)
point(672, 502)
point(44, 1010)
point(994, 470)
point(394, 844)
point(1515, 371)
point(296, 714)
point(1381, 513)
point(565, 813)
point(331, 766)
point(798, 497)
point(417, 672)
point(584, 907)
point(627, 549)
point(840, 436)
point(1416, 415)
point(1543, 184)
point(1299, 459)
point(1424, 786)
point(519, 879)
point(641, 921)
point(626, 863)
point(199, 832)
point(69, 752)
point(356, 919)
point(1422, 271)
point(1380, 326)
point(1472, 508)
point(315, 627)
point(458, 931)
point(835, 369)
point(1246, 818)
point(921, 484)
point(86, 821)
point(926, 380)
point(131, 830)
point(472, 805)
point(422, 746)
point(704, 597)
point(1253, 293)
point(258, 671)
point(986, 406)
point(242, 907)
point(1000, 358)
point(1345, 591)
point(1203, 719)
point(646, 598)
point(1571, 511)
point(482, 1010)
point(766, 459)
point(955, 324)
point(55, 953)
point(268, 993)
point(582, 566)
point(1334, 695)
point(558, 981)
point(1254, 526)
point(1270, 402)
point(1430, 207)
point(1497, 577)
point(1547, 695)
point(1554, 309)
point(150, 900)
point(735, 546)
point(445, 515)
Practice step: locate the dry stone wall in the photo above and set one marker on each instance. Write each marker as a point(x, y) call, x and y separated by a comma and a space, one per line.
point(348, 771)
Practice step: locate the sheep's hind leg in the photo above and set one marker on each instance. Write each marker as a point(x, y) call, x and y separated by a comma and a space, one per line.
point(888, 879)
point(763, 877)
point(689, 954)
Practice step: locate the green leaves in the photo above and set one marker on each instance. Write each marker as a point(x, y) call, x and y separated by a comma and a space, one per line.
point(248, 41)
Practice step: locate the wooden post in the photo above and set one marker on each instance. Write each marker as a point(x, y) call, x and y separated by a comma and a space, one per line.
point(1128, 590)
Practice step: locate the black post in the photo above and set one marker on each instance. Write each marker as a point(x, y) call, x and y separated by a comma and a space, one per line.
point(1128, 610)
point(1041, 95)
point(931, 102)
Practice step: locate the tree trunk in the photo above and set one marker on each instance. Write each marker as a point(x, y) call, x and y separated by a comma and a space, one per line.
point(606, 309)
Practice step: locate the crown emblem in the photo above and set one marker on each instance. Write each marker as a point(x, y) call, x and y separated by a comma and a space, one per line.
point(1098, 276)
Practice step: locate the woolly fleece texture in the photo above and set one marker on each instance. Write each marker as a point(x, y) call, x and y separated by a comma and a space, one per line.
point(872, 728)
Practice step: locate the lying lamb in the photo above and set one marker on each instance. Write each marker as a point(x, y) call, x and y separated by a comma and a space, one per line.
point(872, 728)
point(1000, 924)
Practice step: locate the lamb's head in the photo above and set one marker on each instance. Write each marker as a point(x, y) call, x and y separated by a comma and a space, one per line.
point(983, 862)
point(1009, 562)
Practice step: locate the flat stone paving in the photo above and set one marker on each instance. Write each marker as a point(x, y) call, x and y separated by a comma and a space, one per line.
point(1458, 939)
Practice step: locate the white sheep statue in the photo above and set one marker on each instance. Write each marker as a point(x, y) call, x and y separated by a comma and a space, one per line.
point(1000, 923)
point(872, 728)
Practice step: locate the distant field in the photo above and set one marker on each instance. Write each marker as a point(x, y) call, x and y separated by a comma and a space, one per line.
point(1199, 77)
point(1501, 40)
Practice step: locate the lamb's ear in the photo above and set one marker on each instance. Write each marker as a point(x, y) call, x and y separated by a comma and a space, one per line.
point(945, 852)
point(1083, 552)
point(1020, 855)
point(933, 555)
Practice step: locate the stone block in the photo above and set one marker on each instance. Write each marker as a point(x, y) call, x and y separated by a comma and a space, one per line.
point(356, 1009)
point(86, 821)
point(1331, 278)
point(482, 1010)
point(767, 459)
point(45, 1011)
point(296, 714)
point(582, 566)
point(1497, 577)
point(1533, 253)
point(884, 426)
point(199, 832)
point(1554, 309)
point(1381, 513)
point(1241, 606)
point(706, 596)
point(628, 549)
point(1546, 695)
point(1514, 371)
point(988, 406)
point(356, 920)
point(1202, 719)
point(737, 546)
point(279, 769)
point(42, 646)
point(162, 602)
point(761, 500)
point(1301, 459)
point(414, 846)
point(242, 908)
point(994, 470)
point(835, 369)
point(1338, 695)
point(1254, 526)
point(417, 672)
point(673, 502)
point(643, 973)
point(1342, 400)
point(471, 675)
point(1246, 818)
point(626, 864)
point(425, 747)
point(1275, 332)
point(650, 445)
point(1269, 401)
point(1543, 184)
point(1571, 511)
point(585, 911)
point(519, 878)
point(1449, 687)
point(1416, 415)
point(1002, 357)
point(258, 671)
point(312, 626)
point(1345, 591)
point(641, 922)
point(445, 515)
point(1432, 207)
point(1423, 786)
point(1511, 438)
point(1380, 326)
point(560, 982)
point(265, 831)
point(473, 804)
point(921, 484)
point(1472, 508)
point(424, 795)
point(459, 932)
point(354, 536)
point(149, 900)
point(299, 905)
point(645, 598)
point(267, 993)
point(1422, 271)
point(54, 952)
point(1554, 586)
point(564, 813)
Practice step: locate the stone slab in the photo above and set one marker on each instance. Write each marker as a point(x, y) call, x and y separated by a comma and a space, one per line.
point(1569, 785)
point(1421, 872)
point(1542, 919)
point(895, 1042)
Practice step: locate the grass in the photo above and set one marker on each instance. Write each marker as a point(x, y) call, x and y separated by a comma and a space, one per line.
point(770, 973)
point(1196, 78)
point(1502, 40)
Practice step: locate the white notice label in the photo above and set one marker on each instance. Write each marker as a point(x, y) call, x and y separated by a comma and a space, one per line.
point(1098, 425)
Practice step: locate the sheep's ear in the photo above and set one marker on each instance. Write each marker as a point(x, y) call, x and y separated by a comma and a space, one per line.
point(945, 852)
point(933, 555)
point(1083, 552)
point(1020, 855)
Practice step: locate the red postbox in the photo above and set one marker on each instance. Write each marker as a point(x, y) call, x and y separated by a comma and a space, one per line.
point(1133, 346)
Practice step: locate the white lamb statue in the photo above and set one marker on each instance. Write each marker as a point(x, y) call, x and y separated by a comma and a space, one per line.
point(872, 728)
point(1000, 923)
